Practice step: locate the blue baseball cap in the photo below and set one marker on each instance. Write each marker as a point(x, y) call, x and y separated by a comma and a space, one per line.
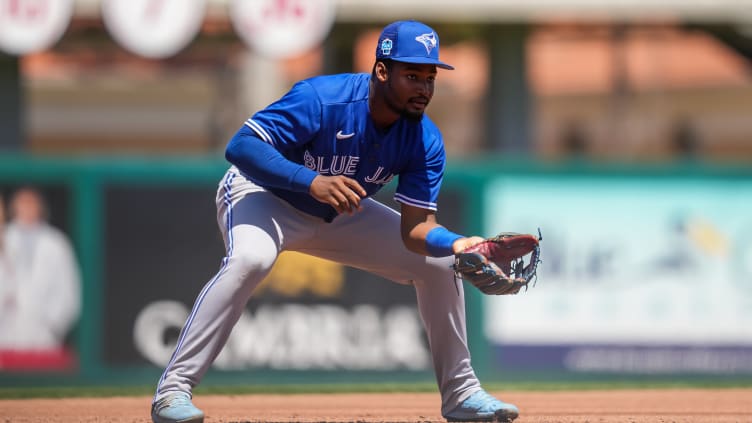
point(410, 42)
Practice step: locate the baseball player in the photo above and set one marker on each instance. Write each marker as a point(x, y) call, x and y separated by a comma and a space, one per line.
point(302, 176)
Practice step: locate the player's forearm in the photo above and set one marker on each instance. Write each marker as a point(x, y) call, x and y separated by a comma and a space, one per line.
point(415, 238)
point(262, 162)
point(422, 234)
point(430, 239)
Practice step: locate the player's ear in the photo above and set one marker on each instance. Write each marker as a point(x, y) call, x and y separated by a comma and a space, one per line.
point(381, 71)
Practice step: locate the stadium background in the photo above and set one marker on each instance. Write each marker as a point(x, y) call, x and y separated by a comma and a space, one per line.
point(622, 131)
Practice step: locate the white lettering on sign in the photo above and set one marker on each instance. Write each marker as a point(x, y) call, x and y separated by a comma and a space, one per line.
point(296, 337)
point(150, 326)
point(28, 26)
point(282, 28)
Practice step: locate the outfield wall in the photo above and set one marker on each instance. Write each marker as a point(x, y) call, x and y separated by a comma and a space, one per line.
point(646, 271)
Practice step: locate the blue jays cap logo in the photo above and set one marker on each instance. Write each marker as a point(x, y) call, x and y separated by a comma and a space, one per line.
point(386, 47)
point(428, 40)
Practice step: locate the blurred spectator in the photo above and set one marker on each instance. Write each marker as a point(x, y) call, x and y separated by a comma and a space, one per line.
point(574, 139)
point(685, 139)
point(5, 269)
point(40, 299)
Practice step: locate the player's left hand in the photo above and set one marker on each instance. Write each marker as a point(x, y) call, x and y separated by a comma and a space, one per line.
point(496, 265)
point(464, 243)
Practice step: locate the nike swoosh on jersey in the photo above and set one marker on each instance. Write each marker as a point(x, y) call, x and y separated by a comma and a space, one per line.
point(341, 136)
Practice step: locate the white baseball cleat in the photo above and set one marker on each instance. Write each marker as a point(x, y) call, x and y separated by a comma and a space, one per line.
point(482, 407)
point(176, 408)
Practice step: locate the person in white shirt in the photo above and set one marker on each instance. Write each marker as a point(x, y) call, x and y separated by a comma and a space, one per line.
point(5, 269)
point(40, 283)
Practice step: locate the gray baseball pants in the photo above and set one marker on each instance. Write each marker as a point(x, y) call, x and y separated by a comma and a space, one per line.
point(257, 226)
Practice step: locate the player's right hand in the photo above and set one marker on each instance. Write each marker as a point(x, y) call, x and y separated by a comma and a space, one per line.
point(340, 192)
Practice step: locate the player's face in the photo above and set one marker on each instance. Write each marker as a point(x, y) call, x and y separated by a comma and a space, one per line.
point(410, 89)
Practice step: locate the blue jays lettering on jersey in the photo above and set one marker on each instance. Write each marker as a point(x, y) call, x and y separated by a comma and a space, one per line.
point(324, 124)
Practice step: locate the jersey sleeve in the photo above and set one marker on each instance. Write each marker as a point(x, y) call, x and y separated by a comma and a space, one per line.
point(292, 120)
point(420, 182)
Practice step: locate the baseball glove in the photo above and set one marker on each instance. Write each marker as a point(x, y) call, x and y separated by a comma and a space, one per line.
point(496, 266)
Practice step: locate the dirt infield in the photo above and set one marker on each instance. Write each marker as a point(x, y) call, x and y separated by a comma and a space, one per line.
point(633, 406)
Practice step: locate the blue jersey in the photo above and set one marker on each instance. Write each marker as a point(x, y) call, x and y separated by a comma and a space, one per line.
point(324, 124)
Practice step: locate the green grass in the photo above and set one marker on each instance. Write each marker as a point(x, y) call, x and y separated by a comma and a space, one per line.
point(72, 391)
point(109, 391)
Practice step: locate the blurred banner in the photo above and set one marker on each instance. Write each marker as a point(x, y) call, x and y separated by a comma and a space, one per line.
point(281, 29)
point(28, 26)
point(640, 274)
point(159, 29)
point(153, 28)
point(643, 272)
